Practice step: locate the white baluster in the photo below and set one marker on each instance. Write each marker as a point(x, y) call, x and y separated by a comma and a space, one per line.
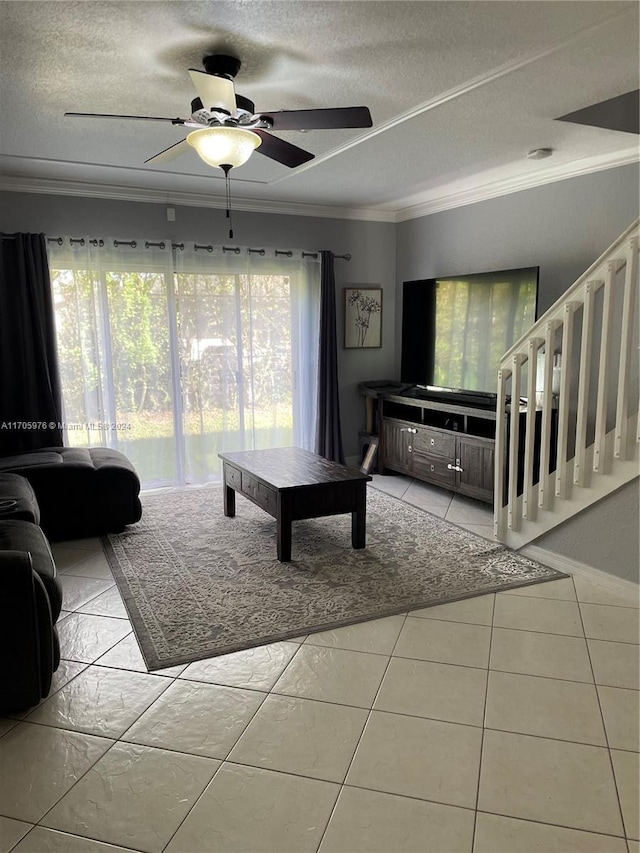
point(579, 473)
point(529, 507)
point(547, 408)
point(499, 510)
point(599, 462)
point(563, 401)
point(626, 338)
point(513, 517)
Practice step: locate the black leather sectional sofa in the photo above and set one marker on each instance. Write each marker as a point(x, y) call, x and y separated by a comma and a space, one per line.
point(51, 494)
point(30, 599)
point(80, 491)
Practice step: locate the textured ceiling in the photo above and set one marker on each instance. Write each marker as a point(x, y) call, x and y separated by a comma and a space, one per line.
point(459, 92)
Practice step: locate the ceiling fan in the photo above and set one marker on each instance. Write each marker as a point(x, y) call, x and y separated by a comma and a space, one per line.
point(226, 129)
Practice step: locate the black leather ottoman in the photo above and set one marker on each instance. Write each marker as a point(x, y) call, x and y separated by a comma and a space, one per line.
point(17, 499)
point(80, 491)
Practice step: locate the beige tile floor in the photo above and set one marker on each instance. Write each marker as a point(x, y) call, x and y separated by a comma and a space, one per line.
point(505, 723)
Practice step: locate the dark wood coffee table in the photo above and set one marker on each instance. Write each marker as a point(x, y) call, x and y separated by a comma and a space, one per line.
point(291, 484)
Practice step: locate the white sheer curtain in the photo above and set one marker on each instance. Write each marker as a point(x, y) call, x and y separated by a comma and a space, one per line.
point(247, 346)
point(172, 354)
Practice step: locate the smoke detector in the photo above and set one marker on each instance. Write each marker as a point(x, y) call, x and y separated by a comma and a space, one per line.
point(539, 153)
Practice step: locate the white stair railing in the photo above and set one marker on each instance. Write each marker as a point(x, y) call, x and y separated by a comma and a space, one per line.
point(568, 389)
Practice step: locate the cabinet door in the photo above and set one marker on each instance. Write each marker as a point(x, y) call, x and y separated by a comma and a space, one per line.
point(397, 440)
point(474, 457)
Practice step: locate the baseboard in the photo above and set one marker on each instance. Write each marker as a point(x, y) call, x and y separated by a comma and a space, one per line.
point(573, 567)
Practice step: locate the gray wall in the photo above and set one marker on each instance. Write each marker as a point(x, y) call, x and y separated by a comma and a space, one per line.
point(604, 536)
point(371, 245)
point(561, 227)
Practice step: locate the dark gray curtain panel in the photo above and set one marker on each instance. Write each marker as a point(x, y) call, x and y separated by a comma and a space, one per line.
point(328, 431)
point(30, 398)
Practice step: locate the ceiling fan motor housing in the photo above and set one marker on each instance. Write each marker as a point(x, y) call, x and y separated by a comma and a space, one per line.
point(221, 66)
point(245, 106)
point(245, 110)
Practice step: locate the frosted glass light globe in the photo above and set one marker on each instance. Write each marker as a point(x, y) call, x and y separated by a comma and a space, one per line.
point(219, 146)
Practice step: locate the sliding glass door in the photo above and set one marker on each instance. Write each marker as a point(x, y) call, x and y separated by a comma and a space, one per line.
point(173, 356)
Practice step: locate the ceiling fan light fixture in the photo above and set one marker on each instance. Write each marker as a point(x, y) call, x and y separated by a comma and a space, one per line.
point(229, 146)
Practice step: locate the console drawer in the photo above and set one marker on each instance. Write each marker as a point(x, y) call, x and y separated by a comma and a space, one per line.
point(429, 467)
point(428, 440)
point(259, 493)
point(232, 477)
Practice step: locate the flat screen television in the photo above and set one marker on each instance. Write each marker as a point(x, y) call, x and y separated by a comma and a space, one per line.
point(455, 330)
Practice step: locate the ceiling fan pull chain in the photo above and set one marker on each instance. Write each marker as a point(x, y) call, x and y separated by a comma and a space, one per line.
point(226, 168)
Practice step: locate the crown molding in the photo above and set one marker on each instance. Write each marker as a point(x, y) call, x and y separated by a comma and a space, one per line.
point(392, 212)
point(493, 189)
point(82, 189)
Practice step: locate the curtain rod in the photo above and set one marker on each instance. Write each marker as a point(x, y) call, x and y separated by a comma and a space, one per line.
point(197, 246)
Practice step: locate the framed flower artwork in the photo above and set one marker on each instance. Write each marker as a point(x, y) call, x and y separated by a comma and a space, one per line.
point(362, 317)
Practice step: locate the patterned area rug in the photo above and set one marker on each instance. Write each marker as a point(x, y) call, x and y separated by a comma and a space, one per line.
point(197, 584)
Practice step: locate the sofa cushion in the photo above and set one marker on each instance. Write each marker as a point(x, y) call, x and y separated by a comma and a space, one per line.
point(18, 535)
point(77, 456)
point(29, 460)
point(81, 491)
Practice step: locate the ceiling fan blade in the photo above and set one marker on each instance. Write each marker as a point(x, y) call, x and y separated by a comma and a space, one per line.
point(134, 118)
point(282, 151)
point(214, 92)
point(329, 119)
point(170, 153)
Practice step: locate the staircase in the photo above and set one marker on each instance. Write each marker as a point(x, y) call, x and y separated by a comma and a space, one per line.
point(578, 441)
